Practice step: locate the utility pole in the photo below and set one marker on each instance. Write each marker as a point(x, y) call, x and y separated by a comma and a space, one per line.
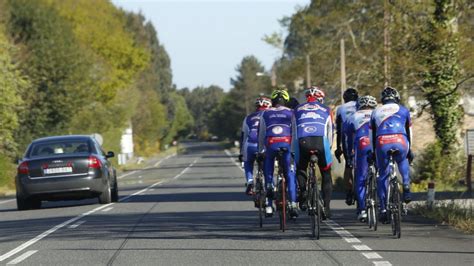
point(386, 42)
point(343, 70)
point(274, 75)
point(308, 71)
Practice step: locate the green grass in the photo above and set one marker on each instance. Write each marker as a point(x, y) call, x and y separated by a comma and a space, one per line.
point(449, 213)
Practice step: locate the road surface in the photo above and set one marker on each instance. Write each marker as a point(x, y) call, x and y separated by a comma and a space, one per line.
point(190, 209)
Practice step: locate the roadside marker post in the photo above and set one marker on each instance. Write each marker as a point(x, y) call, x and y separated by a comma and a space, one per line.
point(470, 154)
point(431, 194)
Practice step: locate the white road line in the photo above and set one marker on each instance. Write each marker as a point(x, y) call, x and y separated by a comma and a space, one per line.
point(371, 255)
point(351, 240)
point(72, 226)
point(108, 209)
point(72, 220)
point(236, 164)
point(127, 174)
point(6, 201)
point(166, 158)
point(22, 257)
point(382, 263)
point(185, 169)
point(361, 247)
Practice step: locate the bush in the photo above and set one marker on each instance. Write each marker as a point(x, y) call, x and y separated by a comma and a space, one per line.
point(7, 174)
point(445, 168)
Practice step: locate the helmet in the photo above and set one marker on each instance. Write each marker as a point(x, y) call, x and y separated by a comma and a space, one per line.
point(390, 93)
point(350, 94)
point(367, 101)
point(316, 93)
point(279, 93)
point(263, 102)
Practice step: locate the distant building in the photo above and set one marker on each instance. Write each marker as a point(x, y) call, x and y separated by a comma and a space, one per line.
point(126, 145)
point(468, 104)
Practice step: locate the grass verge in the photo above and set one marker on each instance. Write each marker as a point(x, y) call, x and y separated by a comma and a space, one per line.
point(449, 212)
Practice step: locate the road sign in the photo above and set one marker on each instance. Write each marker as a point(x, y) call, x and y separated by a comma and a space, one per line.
point(470, 142)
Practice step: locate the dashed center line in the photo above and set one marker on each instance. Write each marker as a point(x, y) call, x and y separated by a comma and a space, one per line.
point(76, 224)
point(371, 255)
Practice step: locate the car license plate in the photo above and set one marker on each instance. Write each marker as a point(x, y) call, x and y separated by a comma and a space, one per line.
point(58, 170)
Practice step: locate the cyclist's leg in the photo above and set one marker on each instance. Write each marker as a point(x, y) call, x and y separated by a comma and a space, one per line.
point(361, 169)
point(302, 164)
point(325, 163)
point(268, 168)
point(249, 163)
point(290, 175)
point(404, 166)
point(382, 165)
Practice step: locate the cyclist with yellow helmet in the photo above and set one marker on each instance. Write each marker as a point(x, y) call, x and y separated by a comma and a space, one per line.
point(276, 126)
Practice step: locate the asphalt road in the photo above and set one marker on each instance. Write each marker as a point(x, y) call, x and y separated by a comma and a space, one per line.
point(190, 209)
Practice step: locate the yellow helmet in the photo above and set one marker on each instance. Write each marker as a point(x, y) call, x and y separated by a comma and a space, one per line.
point(280, 93)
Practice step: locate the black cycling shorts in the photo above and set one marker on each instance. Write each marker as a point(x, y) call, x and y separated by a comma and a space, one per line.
point(308, 144)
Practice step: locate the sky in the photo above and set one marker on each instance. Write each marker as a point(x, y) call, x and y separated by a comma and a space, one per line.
point(207, 39)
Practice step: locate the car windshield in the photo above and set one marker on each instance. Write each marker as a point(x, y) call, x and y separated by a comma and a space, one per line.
point(63, 147)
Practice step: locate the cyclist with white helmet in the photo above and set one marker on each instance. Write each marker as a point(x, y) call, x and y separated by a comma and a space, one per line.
point(249, 140)
point(391, 130)
point(343, 113)
point(314, 133)
point(276, 126)
point(358, 146)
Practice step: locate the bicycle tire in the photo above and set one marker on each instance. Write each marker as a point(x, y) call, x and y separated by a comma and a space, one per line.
point(261, 201)
point(396, 227)
point(311, 210)
point(318, 210)
point(283, 205)
point(374, 202)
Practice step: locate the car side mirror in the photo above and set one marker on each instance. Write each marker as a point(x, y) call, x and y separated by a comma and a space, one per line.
point(110, 154)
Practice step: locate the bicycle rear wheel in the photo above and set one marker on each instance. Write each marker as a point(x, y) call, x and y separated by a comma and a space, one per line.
point(396, 212)
point(318, 211)
point(374, 203)
point(260, 201)
point(283, 206)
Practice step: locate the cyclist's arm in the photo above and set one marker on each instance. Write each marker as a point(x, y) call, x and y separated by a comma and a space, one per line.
point(338, 129)
point(373, 132)
point(261, 134)
point(243, 135)
point(408, 128)
point(294, 133)
point(330, 130)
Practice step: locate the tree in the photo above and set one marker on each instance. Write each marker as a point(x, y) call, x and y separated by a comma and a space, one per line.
point(201, 101)
point(440, 50)
point(247, 84)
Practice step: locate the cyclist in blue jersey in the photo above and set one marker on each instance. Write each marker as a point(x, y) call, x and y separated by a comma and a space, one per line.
point(274, 133)
point(358, 146)
point(313, 132)
point(391, 129)
point(343, 112)
point(249, 140)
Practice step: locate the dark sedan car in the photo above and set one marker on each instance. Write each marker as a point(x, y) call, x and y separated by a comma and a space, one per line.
point(65, 168)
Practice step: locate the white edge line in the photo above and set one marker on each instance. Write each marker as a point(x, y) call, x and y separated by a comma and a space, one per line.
point(382, 262)
point(22, 257)
point(6, 201)
point(108, 209)
point(371, 255)
point(236, 164)
point(72, 220)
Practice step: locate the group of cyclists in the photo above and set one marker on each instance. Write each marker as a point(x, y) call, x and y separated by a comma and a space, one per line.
point(365, 132)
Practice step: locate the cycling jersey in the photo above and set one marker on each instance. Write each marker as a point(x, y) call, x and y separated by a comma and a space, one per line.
point(249, 144)
point(358, 143)
point(276, 125)
point(314, 119)
point(343, 113)
point(391, 129)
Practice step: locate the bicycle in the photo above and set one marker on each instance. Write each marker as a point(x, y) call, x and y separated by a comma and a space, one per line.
point(314, 200)
point(281, 198)
point(259, 192)
point(395, 206)
point(371, 197)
